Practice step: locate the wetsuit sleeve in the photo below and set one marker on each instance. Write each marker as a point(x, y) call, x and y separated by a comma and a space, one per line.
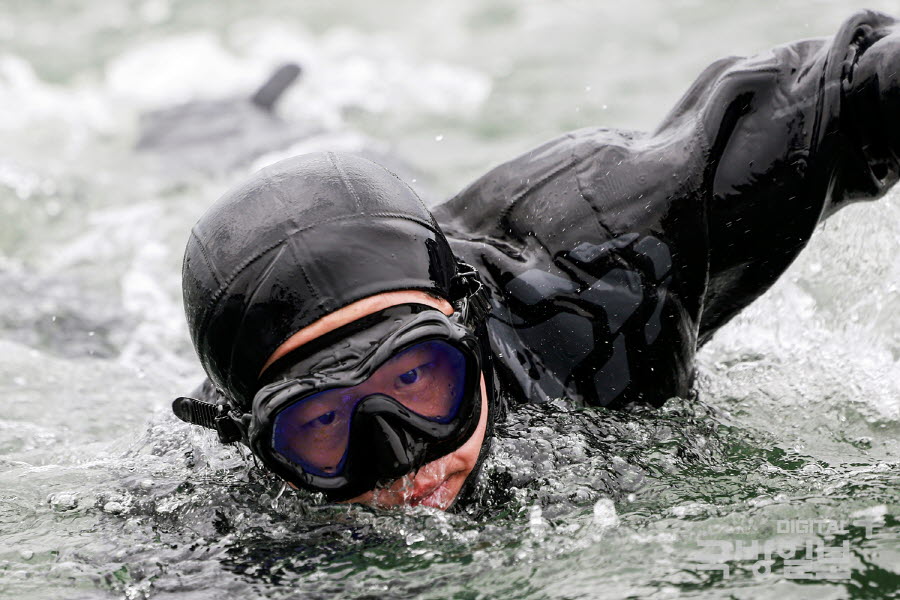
point(791, 135)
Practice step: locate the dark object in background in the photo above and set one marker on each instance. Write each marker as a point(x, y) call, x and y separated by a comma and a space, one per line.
point(267, 95)
point(216, 136)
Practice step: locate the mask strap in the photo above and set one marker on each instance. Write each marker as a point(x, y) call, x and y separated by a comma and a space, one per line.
point(469, 294)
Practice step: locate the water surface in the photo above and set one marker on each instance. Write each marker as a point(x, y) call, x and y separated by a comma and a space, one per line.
point(103, 494)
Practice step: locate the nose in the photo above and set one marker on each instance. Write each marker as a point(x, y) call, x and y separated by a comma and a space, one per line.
point(394, 451)
point(394, 457)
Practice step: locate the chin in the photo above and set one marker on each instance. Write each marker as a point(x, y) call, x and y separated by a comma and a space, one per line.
point(428, 486)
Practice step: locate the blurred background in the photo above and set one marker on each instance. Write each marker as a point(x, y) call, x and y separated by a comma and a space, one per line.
point(120, 122)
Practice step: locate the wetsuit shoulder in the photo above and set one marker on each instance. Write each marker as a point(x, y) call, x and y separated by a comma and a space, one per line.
point(583, 281)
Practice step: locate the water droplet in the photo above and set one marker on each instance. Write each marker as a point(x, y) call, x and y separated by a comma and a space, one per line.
point(414, 538)
point(61, 501)
point(605, 514)
point(536, 522)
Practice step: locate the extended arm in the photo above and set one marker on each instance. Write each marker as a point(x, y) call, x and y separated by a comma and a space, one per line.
point(612, 255)
point(792, 135)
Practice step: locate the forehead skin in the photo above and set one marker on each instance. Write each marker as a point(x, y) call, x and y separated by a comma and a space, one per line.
point(352, 312)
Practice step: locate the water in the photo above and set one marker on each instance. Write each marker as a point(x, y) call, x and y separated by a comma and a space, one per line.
point(104, 494)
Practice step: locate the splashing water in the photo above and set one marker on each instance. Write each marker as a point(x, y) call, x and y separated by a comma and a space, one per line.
point(103, 493)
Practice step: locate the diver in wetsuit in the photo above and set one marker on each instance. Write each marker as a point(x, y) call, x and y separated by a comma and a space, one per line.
point(602, 261)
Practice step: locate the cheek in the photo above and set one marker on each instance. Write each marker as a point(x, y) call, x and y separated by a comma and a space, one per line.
point(468, 453)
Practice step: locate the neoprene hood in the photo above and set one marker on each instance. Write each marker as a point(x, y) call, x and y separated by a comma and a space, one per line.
point(301, 239)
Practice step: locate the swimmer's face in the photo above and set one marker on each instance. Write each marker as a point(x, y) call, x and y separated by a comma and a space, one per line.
point(437, 483)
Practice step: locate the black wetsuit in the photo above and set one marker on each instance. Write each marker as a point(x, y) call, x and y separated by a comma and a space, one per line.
point(612, 256)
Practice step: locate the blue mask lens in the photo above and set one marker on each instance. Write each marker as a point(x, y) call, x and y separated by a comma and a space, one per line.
point(428, 379)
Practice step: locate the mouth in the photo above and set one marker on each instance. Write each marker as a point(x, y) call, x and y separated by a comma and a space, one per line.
point(433, 494)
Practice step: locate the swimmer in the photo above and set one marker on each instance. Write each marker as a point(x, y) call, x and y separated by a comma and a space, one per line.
point(364, 347)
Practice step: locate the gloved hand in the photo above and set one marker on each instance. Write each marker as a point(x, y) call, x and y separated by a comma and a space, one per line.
point(872, 93)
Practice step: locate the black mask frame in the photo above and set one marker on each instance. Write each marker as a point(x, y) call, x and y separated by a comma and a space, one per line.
point(386, 440)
